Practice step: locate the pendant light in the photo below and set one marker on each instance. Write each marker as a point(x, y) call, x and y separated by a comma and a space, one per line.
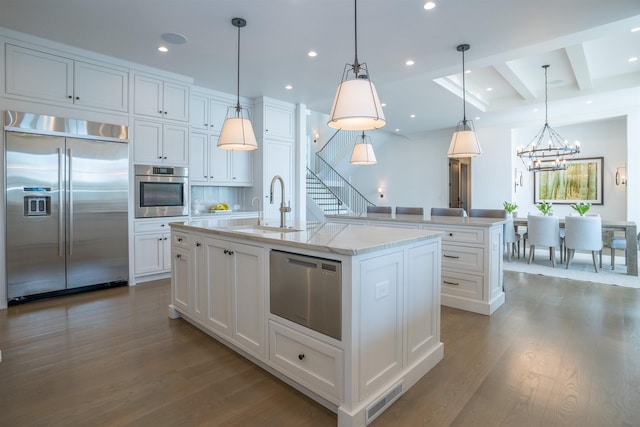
point(553, 155)
point(356, 105)
point(237, 132)
point(362, 153)
point(464, 142)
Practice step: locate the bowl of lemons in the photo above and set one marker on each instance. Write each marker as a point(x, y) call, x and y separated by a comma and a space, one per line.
point(219, 207)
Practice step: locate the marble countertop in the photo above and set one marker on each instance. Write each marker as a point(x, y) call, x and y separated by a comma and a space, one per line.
point(426, 219)
point(345, 239)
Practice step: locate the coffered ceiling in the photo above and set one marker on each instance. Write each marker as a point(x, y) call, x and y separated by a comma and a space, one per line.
point(588, 45)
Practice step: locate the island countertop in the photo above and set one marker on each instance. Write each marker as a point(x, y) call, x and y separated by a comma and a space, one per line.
point(420, 219)
point(345, 239)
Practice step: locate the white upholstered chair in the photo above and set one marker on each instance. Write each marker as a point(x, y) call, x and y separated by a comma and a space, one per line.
point(583, 233)
point(544, 231)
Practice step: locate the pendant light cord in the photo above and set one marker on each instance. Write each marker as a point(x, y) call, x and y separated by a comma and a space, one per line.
point(464, 94)
point(546, 96)
point(356, 65)
point(238, 78)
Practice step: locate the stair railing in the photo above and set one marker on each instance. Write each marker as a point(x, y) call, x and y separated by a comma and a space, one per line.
point(338, 203)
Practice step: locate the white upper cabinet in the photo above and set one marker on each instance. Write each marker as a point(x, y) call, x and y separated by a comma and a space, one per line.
point(207, 113)
point(212, 165)
point(160, 143)
point(161, 99)
point(278, 122)
point(43, 76)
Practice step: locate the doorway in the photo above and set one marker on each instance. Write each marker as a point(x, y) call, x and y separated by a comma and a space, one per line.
point(460, 183)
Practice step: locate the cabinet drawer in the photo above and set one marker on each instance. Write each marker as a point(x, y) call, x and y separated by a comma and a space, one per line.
point(461, 234)
point(151, 226)
point(180, 240)
point(310, 362)
point(462, 285)
point(462, 258)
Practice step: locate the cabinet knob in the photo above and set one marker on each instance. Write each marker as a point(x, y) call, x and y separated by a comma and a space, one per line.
point(165, 157)
point(178, 256)
point(165, 112)
point(77, 97)
point(206, 124)
point(164, 238)
point(301, 356)
point(198, 244)
point(160, 111)
point(179, 239)
point(160, 239)
point(450, 234)
point(161, 225)
point(230, 252)
point(226, 251)
point(70, 97)
point(160, 157)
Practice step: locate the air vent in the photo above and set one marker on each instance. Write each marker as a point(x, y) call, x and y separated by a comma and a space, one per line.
point(383, 403)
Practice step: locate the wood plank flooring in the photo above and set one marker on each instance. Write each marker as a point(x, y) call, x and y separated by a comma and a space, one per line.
point(558, 353)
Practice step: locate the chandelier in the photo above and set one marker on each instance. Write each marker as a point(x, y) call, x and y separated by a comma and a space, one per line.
point(547, 151)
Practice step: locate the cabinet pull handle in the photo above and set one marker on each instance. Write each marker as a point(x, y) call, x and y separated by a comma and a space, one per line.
point(198, 244)
point(178, 256)
point(160, 157)
point(301, 356)
point(450, 234)
point(179, 239)
point(77, 97)
point(164, 238)
point(165, 158)
point(160, 239)
point(450, 256)
point(160, 111)
point(69, 96)
point(226, 251)
point(451, 283)
point(161, 225)
point(165, 112)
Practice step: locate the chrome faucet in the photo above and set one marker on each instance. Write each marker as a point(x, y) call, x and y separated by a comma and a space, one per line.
point(283, 207)
point(256, 198)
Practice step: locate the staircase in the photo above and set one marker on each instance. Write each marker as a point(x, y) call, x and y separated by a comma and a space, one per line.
point(323, 196)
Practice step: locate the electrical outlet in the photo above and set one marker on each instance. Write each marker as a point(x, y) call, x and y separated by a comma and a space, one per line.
point(382, 290)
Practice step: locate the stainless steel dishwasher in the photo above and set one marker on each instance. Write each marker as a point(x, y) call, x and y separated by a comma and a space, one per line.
point(308, 291)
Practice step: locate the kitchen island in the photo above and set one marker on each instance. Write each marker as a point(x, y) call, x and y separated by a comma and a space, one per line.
point(472, 265)
point(387, 310)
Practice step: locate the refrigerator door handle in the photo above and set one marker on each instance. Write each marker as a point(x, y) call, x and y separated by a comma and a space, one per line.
point(61, 236)
point(70, 202)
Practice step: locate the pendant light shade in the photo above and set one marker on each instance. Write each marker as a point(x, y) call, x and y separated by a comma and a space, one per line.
point(547, 151)
point(362, 153)
point(464, 142)
point(356, 105)
point(237, 132)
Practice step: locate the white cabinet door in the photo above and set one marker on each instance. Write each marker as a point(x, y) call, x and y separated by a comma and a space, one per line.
point(279, 122)
point(199, 111)
point(242, 168)
point(176, 101)
point(198, 157)
point(147, 142)
point(175, 145)
point(100, 87)
point(38, 75)
point(248, 285)
point(198, 278)
point(180, 277)
point(218, 281)
point(219, 163)
point(218, 110)
point(149, 253)
point(147, 96)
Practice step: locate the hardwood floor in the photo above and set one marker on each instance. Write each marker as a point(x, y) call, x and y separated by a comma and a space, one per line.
point(558, 353)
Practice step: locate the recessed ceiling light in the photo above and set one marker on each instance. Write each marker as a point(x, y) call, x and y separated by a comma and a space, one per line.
point(174, 38)
point(397, 130)
point(489, 89)
point(288, 87)
point(383, 104)
point(535, 109)
point(468, 72)
point(589, 102)
point(633, 59)
point(429, 5)
point(409, 62)
point(413, 116)
point(163, 49)
point(312, 53)
point(477, 118)
point(635, 30)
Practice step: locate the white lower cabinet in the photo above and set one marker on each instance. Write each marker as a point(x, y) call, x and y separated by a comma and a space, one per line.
point(233, 275)
point(152, 246)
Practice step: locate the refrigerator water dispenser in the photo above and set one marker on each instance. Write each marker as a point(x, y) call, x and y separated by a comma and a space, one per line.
point(37, 205)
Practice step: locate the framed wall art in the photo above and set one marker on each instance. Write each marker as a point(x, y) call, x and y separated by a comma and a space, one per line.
point(580, 182)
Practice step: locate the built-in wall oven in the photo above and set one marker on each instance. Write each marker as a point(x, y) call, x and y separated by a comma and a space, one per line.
point(161, 191)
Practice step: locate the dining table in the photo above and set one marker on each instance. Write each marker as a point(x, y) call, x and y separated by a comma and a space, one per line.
point(629, 228)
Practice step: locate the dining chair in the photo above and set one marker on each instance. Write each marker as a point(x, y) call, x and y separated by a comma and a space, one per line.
point(510, 236)
point(543, 230)
point(618, 243)
point(583, 233)
point(401, 210)
point(448, 212)
point(379, 209)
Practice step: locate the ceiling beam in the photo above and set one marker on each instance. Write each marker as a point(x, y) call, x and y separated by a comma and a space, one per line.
point(578, 61)
point(511, 76)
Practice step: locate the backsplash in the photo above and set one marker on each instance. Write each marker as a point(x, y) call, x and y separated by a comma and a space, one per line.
point(202, 198)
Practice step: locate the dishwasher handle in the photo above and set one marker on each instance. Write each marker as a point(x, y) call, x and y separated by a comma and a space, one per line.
point(301, 263)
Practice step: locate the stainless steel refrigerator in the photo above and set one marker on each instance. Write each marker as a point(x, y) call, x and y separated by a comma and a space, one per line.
point(66, 204)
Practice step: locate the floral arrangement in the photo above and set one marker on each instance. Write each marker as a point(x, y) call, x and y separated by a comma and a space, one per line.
point(582, 207)
point(545, 207)
point(510, 207)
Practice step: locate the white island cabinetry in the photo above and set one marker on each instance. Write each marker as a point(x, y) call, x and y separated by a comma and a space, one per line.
point(390, 308)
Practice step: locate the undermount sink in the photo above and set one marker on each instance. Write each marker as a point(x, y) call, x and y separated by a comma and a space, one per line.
point(265, 229)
